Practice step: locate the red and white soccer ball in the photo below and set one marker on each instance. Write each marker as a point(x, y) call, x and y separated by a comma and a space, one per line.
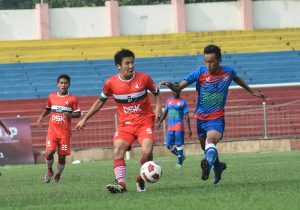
point(151, 172)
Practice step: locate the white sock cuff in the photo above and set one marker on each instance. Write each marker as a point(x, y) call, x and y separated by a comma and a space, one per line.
point(179, 148)
point(211, 145)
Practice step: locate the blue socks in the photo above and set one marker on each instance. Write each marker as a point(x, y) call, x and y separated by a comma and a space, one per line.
point(211, 155)
point(178, 151)
point(173, 149)
point(180, 154)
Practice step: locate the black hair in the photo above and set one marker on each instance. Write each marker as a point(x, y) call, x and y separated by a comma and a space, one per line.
point(122, 54)
point(64, 76)
point(209, 49)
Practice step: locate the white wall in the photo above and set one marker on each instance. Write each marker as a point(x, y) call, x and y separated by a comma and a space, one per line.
point(152, 19)
point(18, 24)
point(276, 14)
point(78, 22)
point(213, 16)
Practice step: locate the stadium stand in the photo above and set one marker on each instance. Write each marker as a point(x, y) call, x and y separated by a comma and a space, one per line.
point(190, 43)
point(36, 80)
point(29, 70)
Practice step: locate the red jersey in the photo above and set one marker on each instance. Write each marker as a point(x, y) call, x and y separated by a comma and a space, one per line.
point(58, 104)
point(131, 96)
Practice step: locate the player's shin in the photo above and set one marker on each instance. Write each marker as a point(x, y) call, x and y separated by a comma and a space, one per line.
point(180, 154)
point(120, 171)
point(61, 165)
point(211, 154)
point(173, 149)
point(49, 161)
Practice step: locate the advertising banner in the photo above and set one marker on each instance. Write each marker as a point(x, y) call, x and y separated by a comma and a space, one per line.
point(16, 148)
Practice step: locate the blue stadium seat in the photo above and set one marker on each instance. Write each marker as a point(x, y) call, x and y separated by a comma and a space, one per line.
point(37, 80)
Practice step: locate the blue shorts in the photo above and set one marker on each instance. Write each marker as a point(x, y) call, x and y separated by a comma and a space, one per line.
point(175, 138)
point(207, 125)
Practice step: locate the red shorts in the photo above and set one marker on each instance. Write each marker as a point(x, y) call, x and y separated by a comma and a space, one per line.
point(131, 132)
point(63, 144)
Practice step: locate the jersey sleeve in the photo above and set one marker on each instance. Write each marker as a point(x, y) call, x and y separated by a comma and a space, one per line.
point(193, 76)
point(233, 74)
point(106, 92)
point(151, 85)
point(48, 103)
point(75, 106)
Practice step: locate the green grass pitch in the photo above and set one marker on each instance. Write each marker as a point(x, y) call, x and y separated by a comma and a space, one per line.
point(252, 181)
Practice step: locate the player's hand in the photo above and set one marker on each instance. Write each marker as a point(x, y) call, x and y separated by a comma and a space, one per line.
point(158, 114)
point(165, 83)
point(80, 125)
point(259, 94)
point(39, 122)
point(159, 125)
point(190, 133)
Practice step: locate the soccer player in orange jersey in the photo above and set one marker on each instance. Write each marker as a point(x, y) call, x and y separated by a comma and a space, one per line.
point(136, 118)
point(62, 106)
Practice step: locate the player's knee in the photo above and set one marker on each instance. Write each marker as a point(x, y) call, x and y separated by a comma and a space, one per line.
point(170, 147)
point(49, 155)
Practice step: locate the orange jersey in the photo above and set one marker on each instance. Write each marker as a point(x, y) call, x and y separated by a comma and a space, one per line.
point(131, 96)
point(58, 125)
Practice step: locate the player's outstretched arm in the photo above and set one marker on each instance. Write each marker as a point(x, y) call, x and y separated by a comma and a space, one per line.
point(5, 128)
point(44, 113)
point(244, 85)
point(93, 110)
point(174, 87)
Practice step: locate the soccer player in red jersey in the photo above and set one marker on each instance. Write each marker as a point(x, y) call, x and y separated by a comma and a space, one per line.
point(136, 118)
point(62, 107)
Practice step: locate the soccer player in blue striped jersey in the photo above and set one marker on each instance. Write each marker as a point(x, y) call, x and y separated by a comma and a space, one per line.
point(212, 83)
point(177, 110)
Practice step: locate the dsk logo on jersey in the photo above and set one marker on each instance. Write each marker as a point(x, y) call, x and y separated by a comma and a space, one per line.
point(131, 109)
point(58, 118)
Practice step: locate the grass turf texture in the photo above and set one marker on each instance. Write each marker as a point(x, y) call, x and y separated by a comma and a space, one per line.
point(251, 181)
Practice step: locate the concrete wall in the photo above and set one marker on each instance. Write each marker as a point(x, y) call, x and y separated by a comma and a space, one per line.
point(112, 20)
point(213, 16)
point(79, 22)
point(189, 149)
point(152, 19)
point(18, 24)
point(276, 14)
